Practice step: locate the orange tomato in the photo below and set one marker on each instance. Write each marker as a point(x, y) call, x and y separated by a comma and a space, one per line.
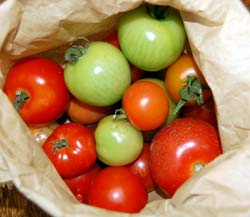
point(86, 114)
point(176, 78)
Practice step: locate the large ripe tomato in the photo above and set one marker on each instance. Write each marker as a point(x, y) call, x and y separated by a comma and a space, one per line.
point(37, 89)
point(151, 36)
point(185, 82)
point(98, 74)
point(80, 185)
point(118, 189)
point(180, 150)
point(117, 142)
point(140, 167)
point(86, 114)
point(71, 149)
point(146, 105)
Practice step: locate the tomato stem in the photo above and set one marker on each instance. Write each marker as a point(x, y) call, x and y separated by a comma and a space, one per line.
point(120, 114)
point(20, 98)
point(157, 11)
point(74, 52)
point(193, 90)
point(62, 143)
point(198, 167)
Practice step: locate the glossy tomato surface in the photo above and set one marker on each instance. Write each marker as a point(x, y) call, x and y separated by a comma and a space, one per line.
point(180, 150)
point(176, 78)
point(146, 105)
point(140, 167)
point(118, 189)
point(80, 185)
point(39, 84)
point(71, 149)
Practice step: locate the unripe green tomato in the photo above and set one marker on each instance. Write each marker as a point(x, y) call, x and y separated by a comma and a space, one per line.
point(100, 76)
point(118, 143)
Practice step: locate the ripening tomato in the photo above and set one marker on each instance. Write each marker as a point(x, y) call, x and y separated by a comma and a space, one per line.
point(185, 82)
point(37, 89)
point(117, 188)
point(86, 114)
point(180, 150)
point(71, 149)
point(205, 112)
point(113, 39)
point(140, 167)
point(80, 185)
point(146, 105)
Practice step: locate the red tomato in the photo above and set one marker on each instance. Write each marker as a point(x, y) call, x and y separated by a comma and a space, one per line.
point(140, 167)
point(205, 112)
point(79, 185)
point(117, 188)
point(71, 149)
point(180, 150)
point(37, 89)
point(86, 114)
point(176, 78)
point(112, 39)
point(146, 105)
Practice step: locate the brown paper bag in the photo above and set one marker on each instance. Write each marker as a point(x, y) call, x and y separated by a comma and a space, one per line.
point(219, 36)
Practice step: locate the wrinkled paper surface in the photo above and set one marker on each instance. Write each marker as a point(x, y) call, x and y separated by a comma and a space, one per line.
point(219, 36)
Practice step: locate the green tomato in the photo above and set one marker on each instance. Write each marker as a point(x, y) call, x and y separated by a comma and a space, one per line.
point(100, 76)
point(118, 143)
point(152, 37)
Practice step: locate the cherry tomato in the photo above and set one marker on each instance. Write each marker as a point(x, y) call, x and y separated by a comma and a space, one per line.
point(205, 112)
point(140, 167)
point(185, 82)
point(146, 105)
point(71, 149)
point(86, 114)
point(181, 149)
point(79, 185)
point(37, 89)
point(117, 188)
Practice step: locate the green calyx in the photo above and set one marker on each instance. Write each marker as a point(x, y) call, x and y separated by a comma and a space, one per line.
point(62, 143)
point(74, 52)
point(191, 91)
point(20, 98)
point(157, 11)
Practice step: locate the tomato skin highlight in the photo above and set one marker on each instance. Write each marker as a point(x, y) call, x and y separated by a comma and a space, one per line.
point(79, 154)
point(180, 149)
point(146, 105)
point(118, 189)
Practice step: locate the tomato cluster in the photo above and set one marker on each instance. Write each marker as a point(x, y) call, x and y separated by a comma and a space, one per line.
point(126, 115)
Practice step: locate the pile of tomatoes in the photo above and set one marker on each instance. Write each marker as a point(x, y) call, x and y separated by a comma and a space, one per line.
point(126, 115)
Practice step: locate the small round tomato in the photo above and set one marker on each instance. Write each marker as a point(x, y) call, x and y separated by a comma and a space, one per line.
point(113, 39)
point(118, 189)
point(140, 167)
point(71, 149)
point(118, 143)
point(37, 90)
point(41, 133)
point(205, 112)
point(185, 82)
point(86, 114)
point(181, 149)
point(80, 185)
point(146, 105)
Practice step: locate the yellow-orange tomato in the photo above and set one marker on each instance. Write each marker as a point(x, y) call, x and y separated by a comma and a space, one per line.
point(41, 133)
point(86, 114)
point(176, 78)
